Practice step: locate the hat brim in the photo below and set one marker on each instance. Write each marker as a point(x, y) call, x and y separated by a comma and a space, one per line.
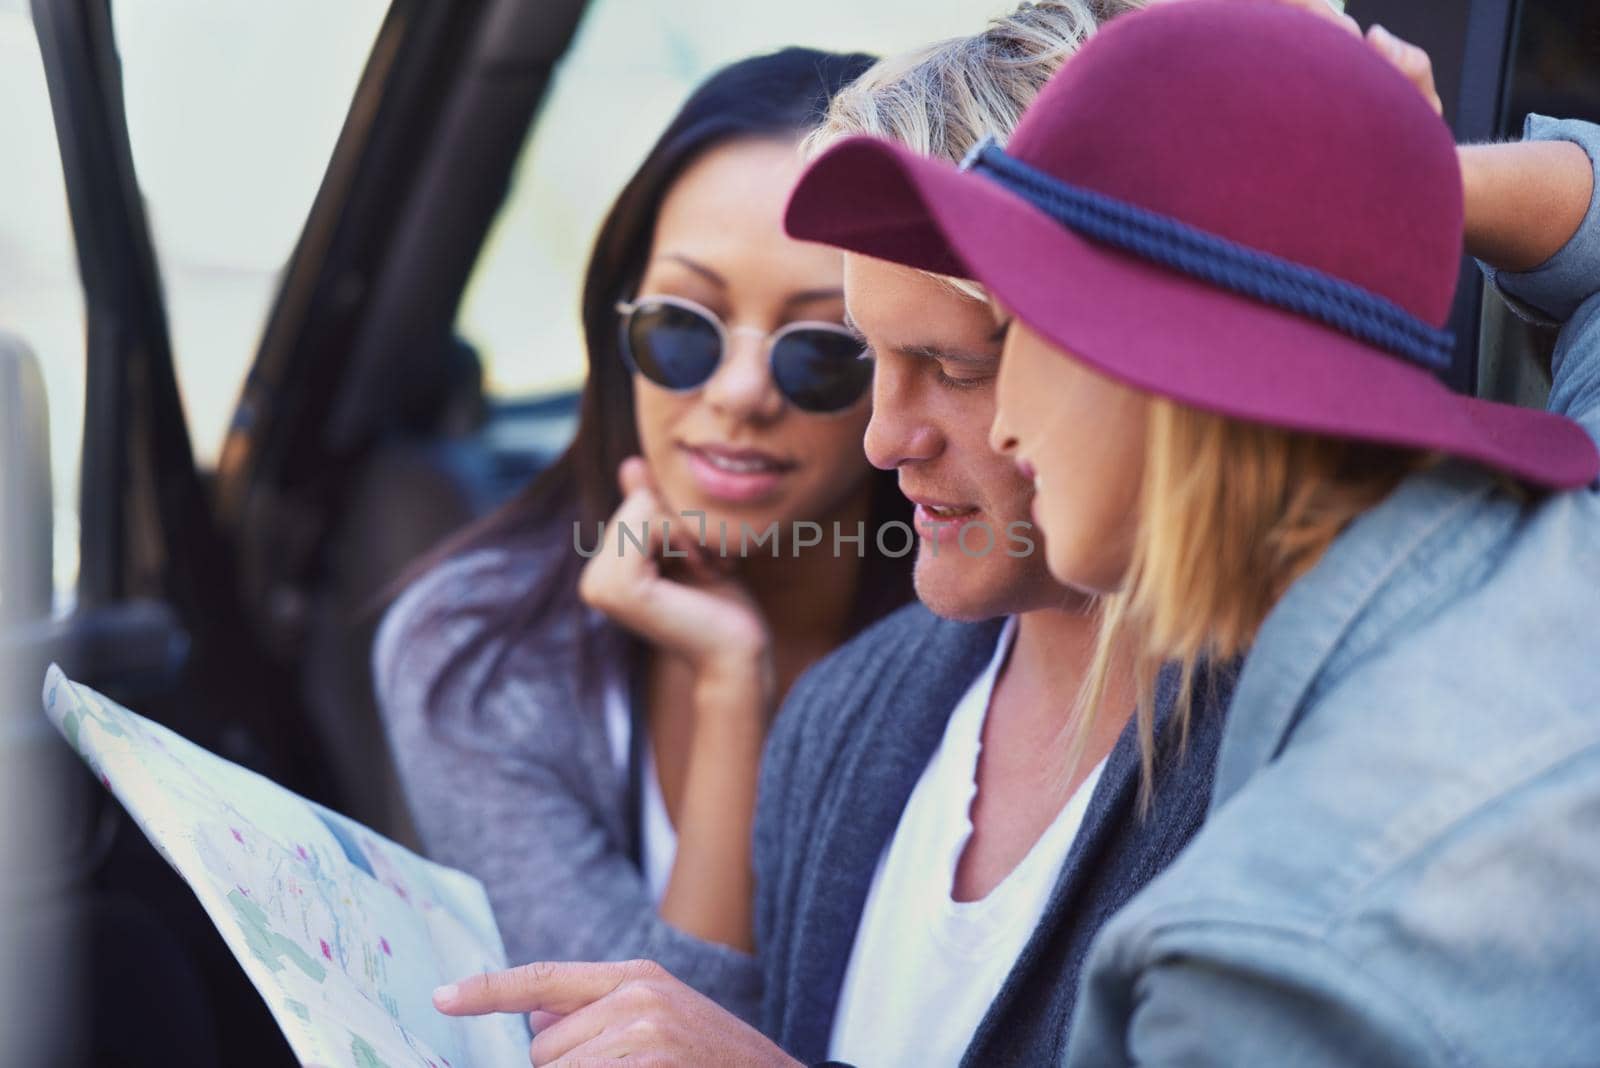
point(1158, 330)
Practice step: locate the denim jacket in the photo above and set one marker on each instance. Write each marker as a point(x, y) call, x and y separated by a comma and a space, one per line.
point(1401, 865)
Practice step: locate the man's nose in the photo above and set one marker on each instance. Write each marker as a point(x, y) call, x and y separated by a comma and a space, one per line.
point(900, 431)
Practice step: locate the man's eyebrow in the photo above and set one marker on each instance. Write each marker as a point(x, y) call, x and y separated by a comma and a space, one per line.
point(931, 351)
point(946, 354)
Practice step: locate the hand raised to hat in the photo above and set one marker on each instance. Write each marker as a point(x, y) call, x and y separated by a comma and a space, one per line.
point(1409, 60)
point(1405, 57)
point(1522, 202)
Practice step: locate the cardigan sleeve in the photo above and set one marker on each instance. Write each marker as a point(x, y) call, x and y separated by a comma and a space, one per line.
point(779, 847)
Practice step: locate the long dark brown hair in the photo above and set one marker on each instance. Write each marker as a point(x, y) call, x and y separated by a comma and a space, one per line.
point(783, 94)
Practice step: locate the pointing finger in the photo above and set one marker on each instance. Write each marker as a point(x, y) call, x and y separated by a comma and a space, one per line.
point(542, 986)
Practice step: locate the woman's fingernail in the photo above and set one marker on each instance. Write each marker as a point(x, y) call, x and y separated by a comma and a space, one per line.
point(444, 995)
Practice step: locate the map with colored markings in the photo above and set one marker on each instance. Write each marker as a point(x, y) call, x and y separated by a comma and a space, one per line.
point(343, 932)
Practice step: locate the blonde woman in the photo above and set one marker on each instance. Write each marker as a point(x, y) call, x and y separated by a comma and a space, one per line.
point(1228, 285)
point(929, 873)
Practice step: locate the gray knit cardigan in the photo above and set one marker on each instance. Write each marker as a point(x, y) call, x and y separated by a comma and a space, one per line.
point(519, 787)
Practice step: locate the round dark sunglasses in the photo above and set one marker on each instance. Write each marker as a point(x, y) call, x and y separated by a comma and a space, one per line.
point(678, 345)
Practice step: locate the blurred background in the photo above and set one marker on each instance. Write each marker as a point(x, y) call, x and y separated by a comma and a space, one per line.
point(233, 109)
point(288, 291)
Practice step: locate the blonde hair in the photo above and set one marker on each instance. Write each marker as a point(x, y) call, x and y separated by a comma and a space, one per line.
point(1231, 513)
point(943, 99)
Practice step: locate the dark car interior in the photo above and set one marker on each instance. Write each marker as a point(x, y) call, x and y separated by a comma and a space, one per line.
point(238, 604)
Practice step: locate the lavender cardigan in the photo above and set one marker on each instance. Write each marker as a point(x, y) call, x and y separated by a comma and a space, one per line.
point(519, 787)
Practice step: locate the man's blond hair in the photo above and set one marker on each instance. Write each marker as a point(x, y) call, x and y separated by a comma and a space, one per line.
point(943, 99)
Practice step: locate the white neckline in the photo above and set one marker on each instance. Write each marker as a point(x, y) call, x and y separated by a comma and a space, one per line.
point(965, 731)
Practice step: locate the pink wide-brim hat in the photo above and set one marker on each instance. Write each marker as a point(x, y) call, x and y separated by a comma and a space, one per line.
point(1232, 204)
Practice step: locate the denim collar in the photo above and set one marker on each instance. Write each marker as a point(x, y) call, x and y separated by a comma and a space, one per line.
point(1306, 632)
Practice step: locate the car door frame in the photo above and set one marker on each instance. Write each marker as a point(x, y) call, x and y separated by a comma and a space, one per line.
point(1470, 43)
point(220, 559)
point(370, 293)
point(161, 621)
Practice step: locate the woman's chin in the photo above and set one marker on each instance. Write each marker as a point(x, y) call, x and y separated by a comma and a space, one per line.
point(1071, 570)
point(715, 523)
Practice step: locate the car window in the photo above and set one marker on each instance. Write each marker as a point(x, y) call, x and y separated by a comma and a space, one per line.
point(41, 299)
point(629, 68)
point(1555, 62)
point(233, 110)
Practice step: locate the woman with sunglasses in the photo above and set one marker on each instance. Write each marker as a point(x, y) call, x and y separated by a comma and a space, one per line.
point(1224, 373)
point(577, 693)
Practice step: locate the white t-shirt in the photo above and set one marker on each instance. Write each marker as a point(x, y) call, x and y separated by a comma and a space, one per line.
point(659, 839)
point(925, 968)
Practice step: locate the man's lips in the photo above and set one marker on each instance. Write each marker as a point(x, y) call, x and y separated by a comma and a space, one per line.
point(942, 521)
point(942, 511)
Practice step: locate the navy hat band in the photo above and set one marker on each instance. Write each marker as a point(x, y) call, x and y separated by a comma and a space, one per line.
point(1219, 262)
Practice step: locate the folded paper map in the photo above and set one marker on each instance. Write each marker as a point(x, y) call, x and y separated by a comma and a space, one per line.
point(343, 932)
